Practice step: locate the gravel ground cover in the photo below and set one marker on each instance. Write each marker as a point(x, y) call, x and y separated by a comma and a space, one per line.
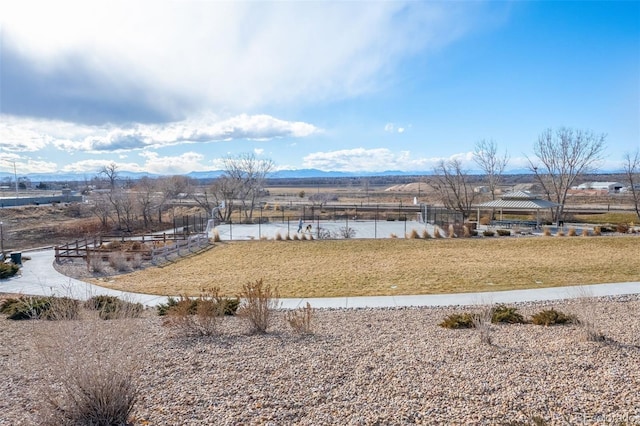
point(359, 367)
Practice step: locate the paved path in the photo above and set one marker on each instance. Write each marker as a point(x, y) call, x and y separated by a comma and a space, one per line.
point(38, 277)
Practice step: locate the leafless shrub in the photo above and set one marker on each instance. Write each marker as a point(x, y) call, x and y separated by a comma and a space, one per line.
point(96, 264)
point(587, 316)
point(118, 261)
point(93, 369)
point(300, 319)
point(346, 232)
point(136, 261)
point(259, 300)
point(482, 323)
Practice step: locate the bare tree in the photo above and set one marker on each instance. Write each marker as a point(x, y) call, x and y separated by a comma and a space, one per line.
point(110, 172)
point(562, 156)
point(247, 174)
point(453, 186)
point(486, 157)
point(148, 198)
point(631, 168)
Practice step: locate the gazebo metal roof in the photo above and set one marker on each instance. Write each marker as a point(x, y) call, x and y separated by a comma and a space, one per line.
point(518, 200)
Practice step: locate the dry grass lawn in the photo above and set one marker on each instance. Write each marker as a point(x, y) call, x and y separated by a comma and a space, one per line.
point(394, 266)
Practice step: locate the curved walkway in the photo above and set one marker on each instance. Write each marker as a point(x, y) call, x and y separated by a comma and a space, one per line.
point(39, 277)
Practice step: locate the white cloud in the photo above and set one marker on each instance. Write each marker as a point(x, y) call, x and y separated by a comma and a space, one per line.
point(370, 160)
point(239, 55)
point(93, 166)
point(389, 127)
point(173, 165)
point(25, 134)
point(258, 151)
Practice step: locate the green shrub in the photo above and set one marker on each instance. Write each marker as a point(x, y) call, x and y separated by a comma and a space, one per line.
point(229, 305)
point(111, 307)
point(488, 233)
point(8, 270)
point(552, 317)
point(456, 321)
point(503, 232)
point(49, 308)
point(24, 308)
point(506, 314)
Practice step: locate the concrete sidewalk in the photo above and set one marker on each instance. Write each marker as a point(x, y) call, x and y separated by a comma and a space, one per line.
point(39, 277)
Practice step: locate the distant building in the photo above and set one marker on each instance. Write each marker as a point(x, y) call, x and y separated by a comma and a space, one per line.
point(607, 187)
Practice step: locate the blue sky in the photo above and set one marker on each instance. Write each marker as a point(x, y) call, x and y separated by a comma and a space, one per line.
point(170, 87)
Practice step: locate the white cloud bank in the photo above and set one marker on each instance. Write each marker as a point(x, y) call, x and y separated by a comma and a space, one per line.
point(28, 135)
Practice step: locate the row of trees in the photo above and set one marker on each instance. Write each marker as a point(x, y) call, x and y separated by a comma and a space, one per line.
point(128, 205)
point(560, 158)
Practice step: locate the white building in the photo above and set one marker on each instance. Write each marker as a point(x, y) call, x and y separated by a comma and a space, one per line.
point(610, 187)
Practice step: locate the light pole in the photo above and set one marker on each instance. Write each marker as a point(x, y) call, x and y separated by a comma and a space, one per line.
point(1, 241)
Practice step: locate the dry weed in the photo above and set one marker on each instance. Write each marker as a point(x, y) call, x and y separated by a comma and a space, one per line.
point(259, 300)
point(425, 234)
point(300, 319)
point(118, 261)
point(93, 368)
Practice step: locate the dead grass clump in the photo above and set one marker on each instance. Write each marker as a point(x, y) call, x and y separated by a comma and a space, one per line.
point(572, 232)
point(425, 234)
point(436, 233)
point(295, 237)
point(482, 323)
point(546, 232)
point(136, 261)
point(414, 235)
point(451, 233)
point(300, 319)
point(278, 236)
point(216, 236)
point(465, 232)
point(112, 307)
point(585, 232)
point(259, 300)
point(392, 235)
point(95, 264)
point(288, 237)
point(560, 233)
point(92, 369)
point(597, 231)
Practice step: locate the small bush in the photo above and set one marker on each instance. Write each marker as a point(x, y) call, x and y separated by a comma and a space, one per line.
point(118, 261)
point(482, 323)
point(503, 232)
point(560, 233)
point(425, 234)
point(505, 314)
point(259, 302)
point(26, 308)
point(111, 307)
point(95, 264)
point(8, 270)
point(300, 319)
point(552, 317)
point(63, 308)
point(585, 232)
point(456, 321)
point(488, 233)
point(572, 232)
point(136, 261)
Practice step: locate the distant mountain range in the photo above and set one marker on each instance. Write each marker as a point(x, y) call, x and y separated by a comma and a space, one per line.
point(280, 174)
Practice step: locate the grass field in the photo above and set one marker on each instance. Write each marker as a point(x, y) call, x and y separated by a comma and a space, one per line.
point(323, 268)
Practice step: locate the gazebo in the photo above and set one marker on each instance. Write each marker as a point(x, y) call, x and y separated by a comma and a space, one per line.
point(518, 201)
